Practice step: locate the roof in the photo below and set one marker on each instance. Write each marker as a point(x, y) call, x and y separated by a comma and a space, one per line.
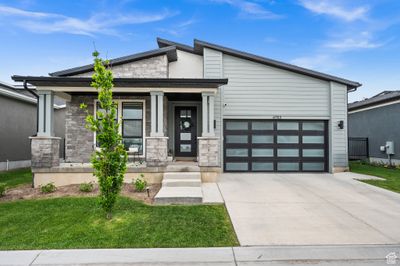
point(199, 45)
point(165, 43)
point(169, 51)
point(383, 97)
point(124, 82)
point(19, 94)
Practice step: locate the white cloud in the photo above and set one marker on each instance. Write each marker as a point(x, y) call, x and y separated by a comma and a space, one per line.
point(39, 22)
point(333, 8)
point(360, 41)
point(250, 10)
point(11, 11)
point(319, 62)
point(180, 28)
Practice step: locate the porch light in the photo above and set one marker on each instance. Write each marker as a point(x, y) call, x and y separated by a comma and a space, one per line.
point(341, 124)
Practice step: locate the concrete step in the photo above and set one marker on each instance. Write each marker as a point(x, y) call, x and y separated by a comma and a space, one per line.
point(183, 175)
point(179, 195)
point(181, 182)
point(182, 168)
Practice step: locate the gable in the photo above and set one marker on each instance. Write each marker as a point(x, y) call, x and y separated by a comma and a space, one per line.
point(188, 65)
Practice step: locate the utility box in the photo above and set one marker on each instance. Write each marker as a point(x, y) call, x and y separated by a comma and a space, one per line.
point(389, 147)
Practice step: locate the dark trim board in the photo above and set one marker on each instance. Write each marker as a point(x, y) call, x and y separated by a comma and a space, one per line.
point(124, 82)
point(273, 160)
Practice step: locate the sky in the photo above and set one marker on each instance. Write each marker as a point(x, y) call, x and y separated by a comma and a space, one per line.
point(353, 39)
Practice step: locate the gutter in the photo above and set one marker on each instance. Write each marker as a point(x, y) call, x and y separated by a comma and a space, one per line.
point(352, 90)
point(37, 103)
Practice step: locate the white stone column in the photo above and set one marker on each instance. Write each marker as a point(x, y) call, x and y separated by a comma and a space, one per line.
point(153, 112)
point(205, 114)
point(208, 114)
point(160, 114)
point(46, 114)
point(157, 114)
point(211, 115)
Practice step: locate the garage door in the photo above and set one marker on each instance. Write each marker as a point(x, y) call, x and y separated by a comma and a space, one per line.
point(275, 146)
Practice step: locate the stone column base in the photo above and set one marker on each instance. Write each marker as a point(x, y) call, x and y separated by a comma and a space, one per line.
point(208, 151)
point(45, 152)
point(156, 151)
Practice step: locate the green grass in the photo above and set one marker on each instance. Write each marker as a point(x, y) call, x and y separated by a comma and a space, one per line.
point(17, 177)
point(391, 176)
point(80, 223)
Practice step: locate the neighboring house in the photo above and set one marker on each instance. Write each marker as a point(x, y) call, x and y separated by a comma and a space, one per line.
point(18, 123)
point(225, 109)
point(378, 119)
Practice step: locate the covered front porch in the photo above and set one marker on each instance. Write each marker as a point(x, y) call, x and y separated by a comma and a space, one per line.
point(166, 125)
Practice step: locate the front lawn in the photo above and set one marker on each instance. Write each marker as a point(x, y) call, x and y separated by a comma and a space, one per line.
point(17, 177)
point(80, 223)
point(391, 176)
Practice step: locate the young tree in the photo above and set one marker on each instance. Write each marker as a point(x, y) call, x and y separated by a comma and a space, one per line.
point(109, 162)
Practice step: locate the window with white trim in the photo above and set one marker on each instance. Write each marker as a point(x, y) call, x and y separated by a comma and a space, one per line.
point(132, 123)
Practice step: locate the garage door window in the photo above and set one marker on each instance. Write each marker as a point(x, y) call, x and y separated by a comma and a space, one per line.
point(237, 152)
point(237, 139)
point(237, 125)
point(275, 145)
point(262, 152)
point(288, 139)
point(262, 125)
point(262, 167)
point(288, 153)
point(313, 139)
point(236, 166)
point(288, 166)
point(319, 126)
point(313, 166)
point(288, 126)
point(313, 153)
point(262, 139)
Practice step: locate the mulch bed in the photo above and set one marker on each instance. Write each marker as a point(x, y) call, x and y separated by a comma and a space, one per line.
point(27, 192)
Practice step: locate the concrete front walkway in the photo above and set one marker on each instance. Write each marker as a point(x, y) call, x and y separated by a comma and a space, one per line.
point(272, 255)
point(310, 209)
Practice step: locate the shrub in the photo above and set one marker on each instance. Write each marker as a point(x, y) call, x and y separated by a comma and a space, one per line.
point(48, 188)
point(86, 187)
point(2, 189)
point(140, 183)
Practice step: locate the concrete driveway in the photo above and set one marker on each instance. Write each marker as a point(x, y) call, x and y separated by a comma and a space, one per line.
point(310, 209)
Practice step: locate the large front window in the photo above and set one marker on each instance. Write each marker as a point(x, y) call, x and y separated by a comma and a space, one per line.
point(130, 114)
point(132, 125)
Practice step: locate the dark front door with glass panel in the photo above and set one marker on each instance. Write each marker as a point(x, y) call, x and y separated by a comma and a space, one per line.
point(185, 132)
point(275, 146)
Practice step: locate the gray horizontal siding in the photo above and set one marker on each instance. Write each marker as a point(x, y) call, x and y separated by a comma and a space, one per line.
point(257, 90)
point(378, 125)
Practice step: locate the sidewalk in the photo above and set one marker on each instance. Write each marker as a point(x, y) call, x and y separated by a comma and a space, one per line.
point(265, 255)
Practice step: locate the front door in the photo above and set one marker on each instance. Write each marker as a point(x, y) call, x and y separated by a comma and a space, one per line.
point(185, 131)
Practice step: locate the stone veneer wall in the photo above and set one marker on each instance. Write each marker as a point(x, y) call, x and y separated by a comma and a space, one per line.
point(79, 141)
point(208, 151)
point(156, 151)
point(154, 67)
point(45, 152)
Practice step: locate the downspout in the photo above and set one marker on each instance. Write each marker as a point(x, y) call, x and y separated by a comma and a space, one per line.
point(37, 103)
